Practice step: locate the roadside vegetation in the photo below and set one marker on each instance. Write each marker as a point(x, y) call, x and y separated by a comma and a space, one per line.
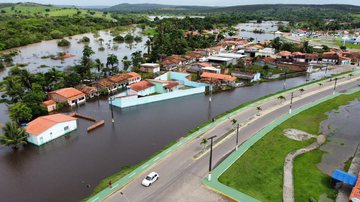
point(259, 171)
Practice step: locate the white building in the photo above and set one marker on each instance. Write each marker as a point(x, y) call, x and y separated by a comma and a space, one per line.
point(47, 128)
point(266, 52)
point(150, 67)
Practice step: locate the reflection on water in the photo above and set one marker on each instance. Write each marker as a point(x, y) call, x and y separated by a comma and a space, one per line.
point(32, 54)
point(342, 129)
point(269, 27)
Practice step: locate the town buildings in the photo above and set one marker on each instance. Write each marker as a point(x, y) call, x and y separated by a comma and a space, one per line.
point(70, 96)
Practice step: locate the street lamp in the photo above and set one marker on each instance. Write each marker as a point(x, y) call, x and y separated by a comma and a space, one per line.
point(335, 86)
point(112, 110)
point(210, 160)
point(237, 136)
point(284, 84)
point(291, 102)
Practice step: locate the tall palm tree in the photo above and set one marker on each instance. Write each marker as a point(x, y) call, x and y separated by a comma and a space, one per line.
point(13, 135)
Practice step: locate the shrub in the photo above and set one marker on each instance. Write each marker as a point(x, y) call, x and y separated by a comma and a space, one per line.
point(119, 39)
point(63, 42)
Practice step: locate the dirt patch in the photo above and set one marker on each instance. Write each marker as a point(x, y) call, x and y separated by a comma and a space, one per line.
point(298, 135)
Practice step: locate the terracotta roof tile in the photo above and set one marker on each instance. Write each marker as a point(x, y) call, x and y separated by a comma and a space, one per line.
point(68, 93)
point(218, 76)
point(142, 85)
point(43, 123)
point(48, 103)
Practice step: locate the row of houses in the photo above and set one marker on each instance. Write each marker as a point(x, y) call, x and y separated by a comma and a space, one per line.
point(334, 58)
point(79, 94)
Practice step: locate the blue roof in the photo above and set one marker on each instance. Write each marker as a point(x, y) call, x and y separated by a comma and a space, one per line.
point(344, 177)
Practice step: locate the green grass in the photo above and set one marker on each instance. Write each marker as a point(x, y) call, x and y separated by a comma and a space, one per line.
point(32, 9)
point(149, 32)
point(260, 69)
point(339, 42)
point(259, 172)
point(356, 15)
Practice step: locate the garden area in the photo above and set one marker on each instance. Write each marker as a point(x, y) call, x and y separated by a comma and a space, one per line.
point(259, 172)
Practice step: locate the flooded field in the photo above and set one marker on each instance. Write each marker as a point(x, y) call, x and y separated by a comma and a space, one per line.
point(269, 28)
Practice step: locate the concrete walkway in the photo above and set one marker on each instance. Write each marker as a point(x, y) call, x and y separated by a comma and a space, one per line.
point(288, 187)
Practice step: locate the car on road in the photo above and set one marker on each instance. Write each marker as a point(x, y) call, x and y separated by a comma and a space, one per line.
point(150, 178)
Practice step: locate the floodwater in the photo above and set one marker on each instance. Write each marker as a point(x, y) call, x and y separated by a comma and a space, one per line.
point(342, 128)
point(62, 169)
point(32, 54)
point(270, 27)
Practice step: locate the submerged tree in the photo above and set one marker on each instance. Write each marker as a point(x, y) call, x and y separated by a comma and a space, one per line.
point(13, 135)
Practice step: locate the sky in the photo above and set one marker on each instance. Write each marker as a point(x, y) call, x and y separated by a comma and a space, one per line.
point(187, 2)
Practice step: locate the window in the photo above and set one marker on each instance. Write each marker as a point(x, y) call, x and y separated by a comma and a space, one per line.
point(66, 128)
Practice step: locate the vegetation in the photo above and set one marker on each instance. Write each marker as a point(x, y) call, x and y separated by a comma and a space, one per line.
point(119, 39)
point(63, 42)
point(249, 175)
point(13, 136)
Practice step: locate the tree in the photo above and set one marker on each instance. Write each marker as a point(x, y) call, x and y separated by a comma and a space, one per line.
point(99, 65)
point(85, 66)
point(259, 109)
point(350, 75)
point(119, 39)
point(101, 40)
point(138, 39)
point(137, 59)
point(126, 63)
point(301, 91)
point(20, 112)
point(203, 142)
point(281, 98)
point(276, 43)
point(85, 39)
point(343, 48)
point(63, 43)
point(13, 135)
point(129, 38)
point(113, 61)
point(148, 45)
point(325, 48)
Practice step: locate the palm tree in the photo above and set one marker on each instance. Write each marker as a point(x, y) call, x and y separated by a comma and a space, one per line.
point(99, 65)
point(203, 142)
point(281, 98)
point(13, 136)
point(301, 91)
point(148, 46)
point(259, 109)
point(113, 61)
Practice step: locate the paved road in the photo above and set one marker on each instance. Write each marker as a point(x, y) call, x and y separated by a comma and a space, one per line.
point(181, 175)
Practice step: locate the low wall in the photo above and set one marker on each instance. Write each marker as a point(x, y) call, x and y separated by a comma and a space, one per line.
point(134, 100)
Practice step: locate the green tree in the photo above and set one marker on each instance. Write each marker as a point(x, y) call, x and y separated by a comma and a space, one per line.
point(63, 43)
point(112, 61)
point(119, 39)
point(126, 63)
point(20, 112)
point(12, 136)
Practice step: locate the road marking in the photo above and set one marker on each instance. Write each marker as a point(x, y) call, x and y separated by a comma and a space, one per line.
point(132, 175)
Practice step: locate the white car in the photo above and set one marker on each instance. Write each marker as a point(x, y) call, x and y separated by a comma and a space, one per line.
point(150, 178)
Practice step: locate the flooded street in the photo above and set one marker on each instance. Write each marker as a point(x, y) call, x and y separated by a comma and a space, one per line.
point(342, 129)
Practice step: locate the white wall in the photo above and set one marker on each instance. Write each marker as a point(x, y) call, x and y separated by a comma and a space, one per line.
point(53, 133)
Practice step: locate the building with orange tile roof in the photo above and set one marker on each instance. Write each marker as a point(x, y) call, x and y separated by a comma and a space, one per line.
point(50, 105)
point(222, 77)
point(47, 128)
point(143, 88)
point(117, 81)
point(89, 91)
point(71, 96)
point(134, 77)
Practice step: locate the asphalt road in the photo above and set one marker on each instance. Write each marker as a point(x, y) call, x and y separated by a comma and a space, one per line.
point(181, 175)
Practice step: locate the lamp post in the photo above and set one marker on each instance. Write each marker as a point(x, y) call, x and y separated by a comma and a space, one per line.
point(112, 110)
point(210, 159)
point(335, 86)
point(237, 136)
point(284, 84)
point(291, 102)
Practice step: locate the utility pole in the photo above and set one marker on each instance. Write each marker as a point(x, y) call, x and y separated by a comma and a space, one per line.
point(284, 85)
point(335, 86)
point(210, 160)
point(112, 110)
point(326, 69)
point(237, 136)
point(291, 102)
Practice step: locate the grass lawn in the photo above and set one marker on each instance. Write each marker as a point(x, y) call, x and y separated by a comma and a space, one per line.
point(149, 32)
point(339, 42)
point(32, 9)
point(259, 172)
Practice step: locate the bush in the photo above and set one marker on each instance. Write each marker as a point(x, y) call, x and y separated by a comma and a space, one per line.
point(85, 39)
point(138, 39)
point(2, 66)
point(119, 39)
point(56, 34)
point(63, 42)
point(129, 38)
point(101, 48)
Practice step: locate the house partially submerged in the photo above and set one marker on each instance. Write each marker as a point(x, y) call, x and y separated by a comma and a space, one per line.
point(247, 76)
point(89, 91)
point(47, 128)
point(70, 96)
point(226, 79)
point(117, 81)
point(150, 68)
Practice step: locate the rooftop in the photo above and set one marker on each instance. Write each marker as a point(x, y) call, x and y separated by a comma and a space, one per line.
point(43, 123)
point(218, 76)
point(68, 93)
point(142, 85)
point(48, 103)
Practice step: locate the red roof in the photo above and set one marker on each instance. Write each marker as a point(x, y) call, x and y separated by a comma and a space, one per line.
point(43, 123)
point(204, 64)
point(48, 103)
point(218, 76)
point(171, 84)
point(355, 194)
point(68, 93)
point(142, 85)
point(133, 75)
point(284, 54)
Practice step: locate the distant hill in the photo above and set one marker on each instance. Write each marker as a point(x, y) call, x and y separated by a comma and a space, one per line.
point(125, 7)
